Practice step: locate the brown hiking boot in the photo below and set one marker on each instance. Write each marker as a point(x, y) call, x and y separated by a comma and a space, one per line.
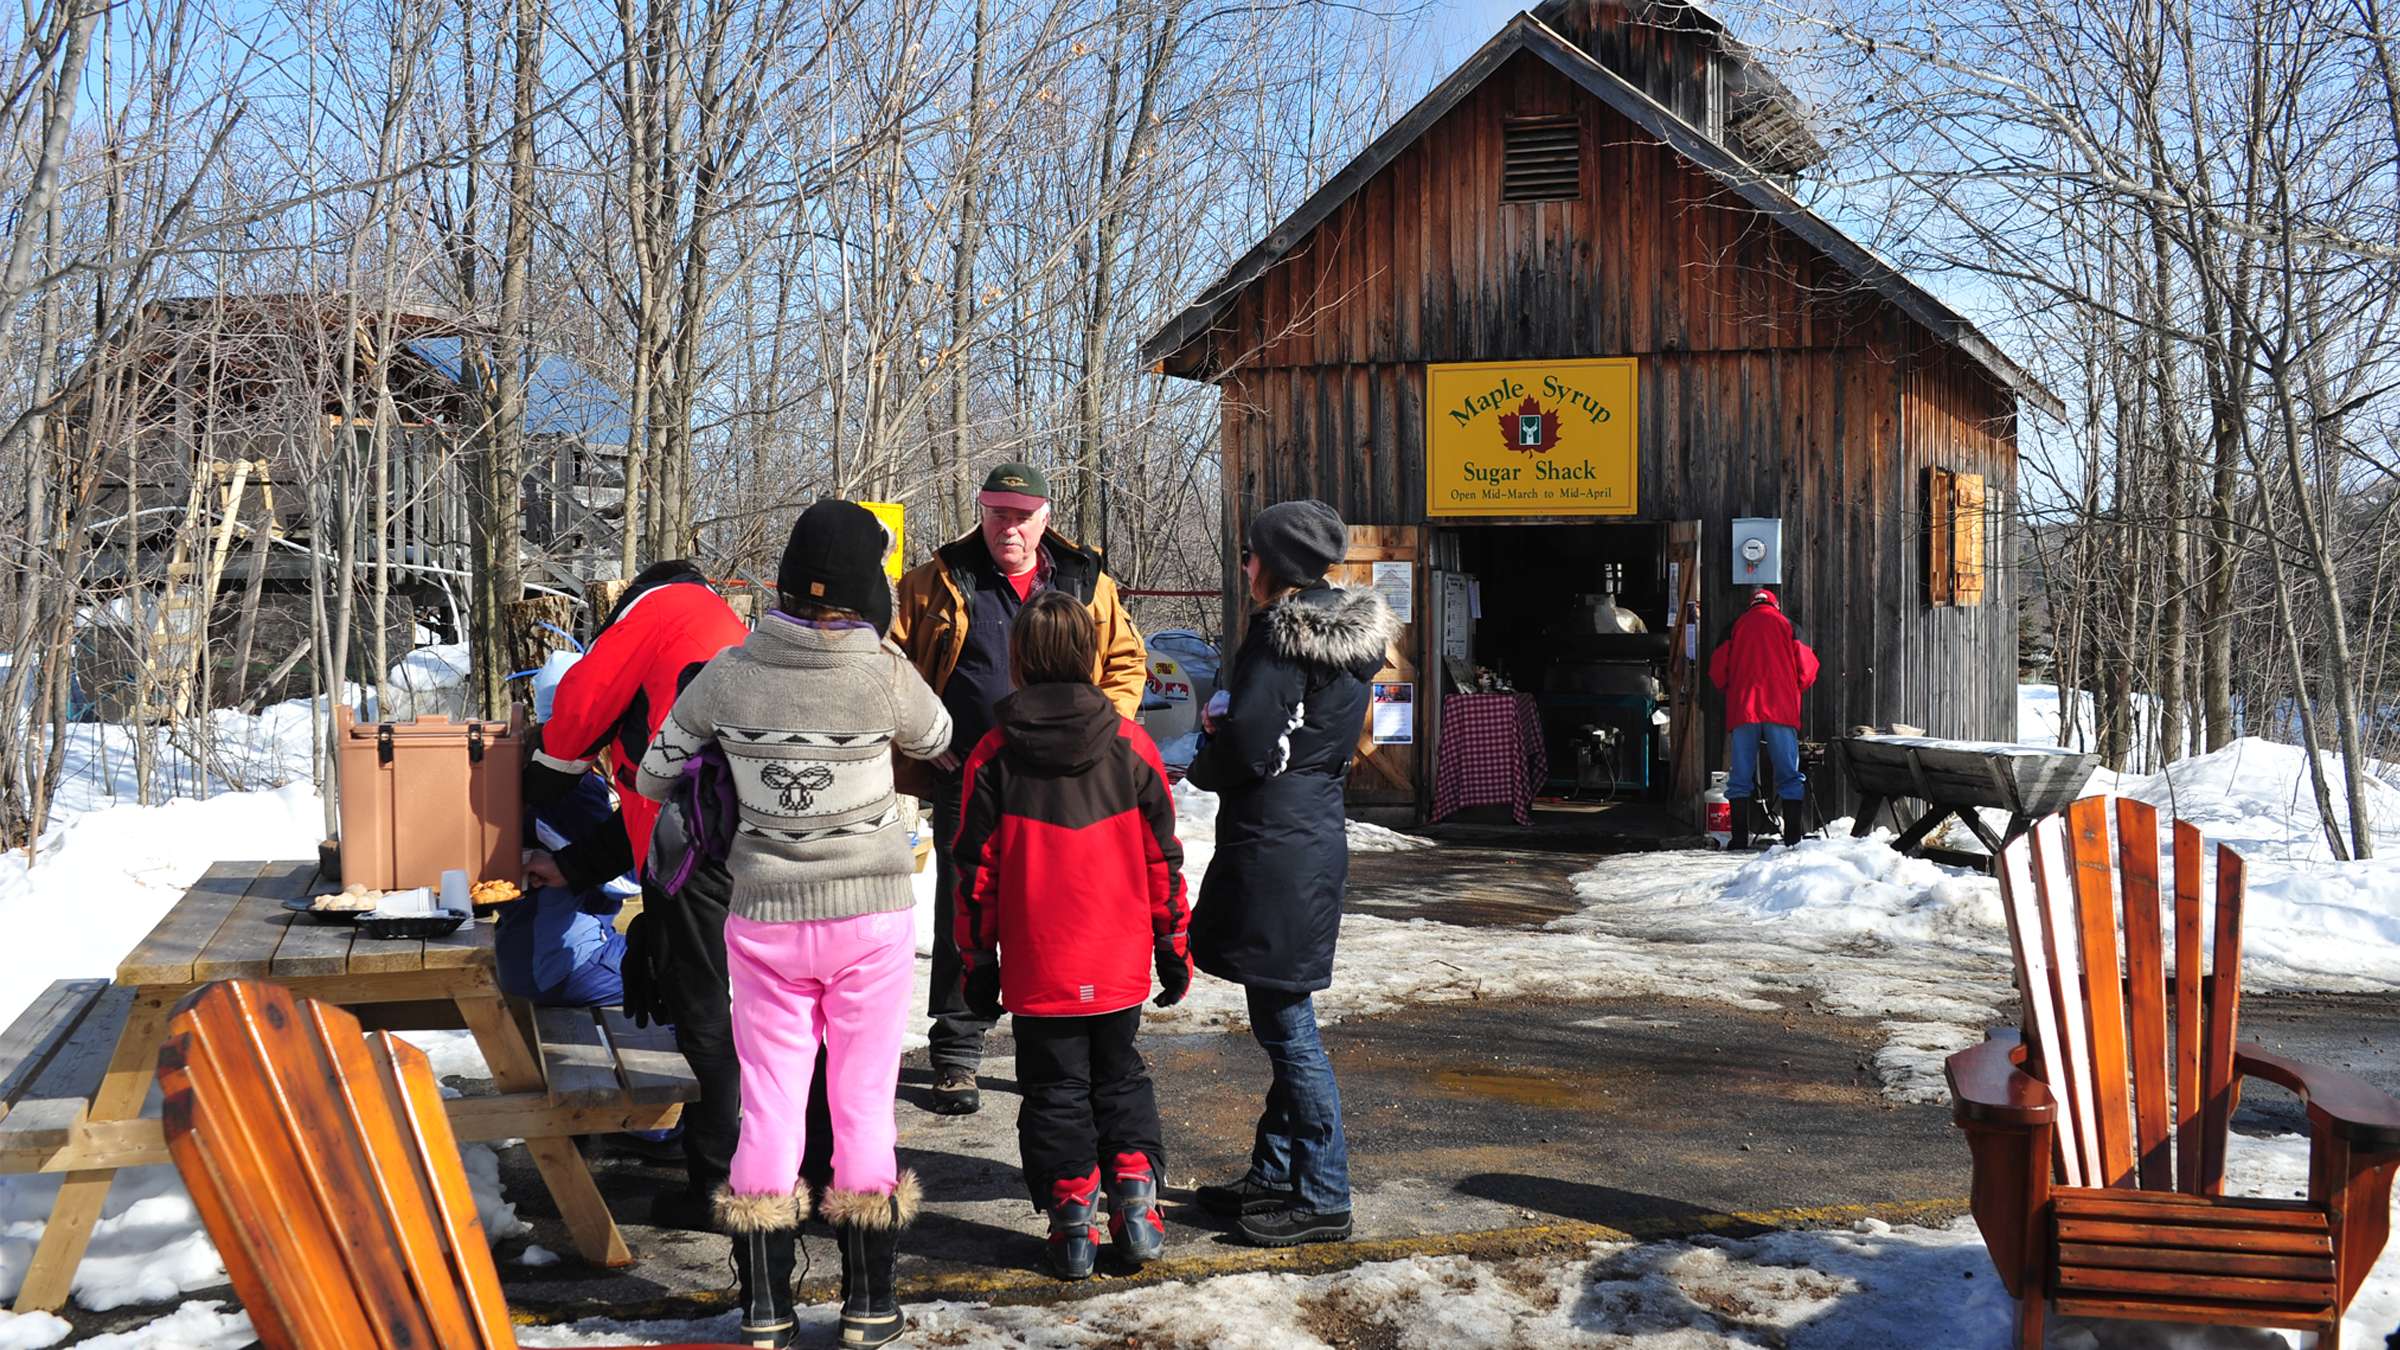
point(955, 1093)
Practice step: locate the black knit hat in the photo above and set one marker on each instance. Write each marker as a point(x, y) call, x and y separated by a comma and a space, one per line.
point(835, 559)
point(1297, 541)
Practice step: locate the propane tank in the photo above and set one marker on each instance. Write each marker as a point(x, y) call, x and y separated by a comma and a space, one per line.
point(1716, 812)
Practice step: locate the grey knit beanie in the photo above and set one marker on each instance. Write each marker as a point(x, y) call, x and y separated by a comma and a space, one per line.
point(1298, 541)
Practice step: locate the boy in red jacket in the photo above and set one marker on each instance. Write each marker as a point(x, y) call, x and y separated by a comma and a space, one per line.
point(1762, 667)
point(1068, 865)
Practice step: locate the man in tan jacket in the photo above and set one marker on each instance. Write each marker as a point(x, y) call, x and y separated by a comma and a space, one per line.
point(951, 618)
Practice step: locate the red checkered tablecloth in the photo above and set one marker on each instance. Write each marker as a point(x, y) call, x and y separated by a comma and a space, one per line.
point(1491, 754)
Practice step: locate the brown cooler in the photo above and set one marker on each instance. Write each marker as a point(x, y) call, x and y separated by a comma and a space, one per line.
point(422, 797)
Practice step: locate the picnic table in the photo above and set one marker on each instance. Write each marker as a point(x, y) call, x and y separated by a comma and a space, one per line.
point(76, 1067)
point(1961, 778)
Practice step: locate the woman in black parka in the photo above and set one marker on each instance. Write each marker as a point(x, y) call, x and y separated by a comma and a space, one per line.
point(1271, 904)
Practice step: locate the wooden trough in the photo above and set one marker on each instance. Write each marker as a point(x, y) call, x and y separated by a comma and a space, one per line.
point(1959, 778)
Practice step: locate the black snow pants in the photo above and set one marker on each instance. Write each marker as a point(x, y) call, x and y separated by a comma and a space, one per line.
point(1087, 1098)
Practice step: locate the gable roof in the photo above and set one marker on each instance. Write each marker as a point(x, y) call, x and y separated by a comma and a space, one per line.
point(1525, 33)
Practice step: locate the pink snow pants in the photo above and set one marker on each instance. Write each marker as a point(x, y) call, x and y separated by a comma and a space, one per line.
point(846, 983)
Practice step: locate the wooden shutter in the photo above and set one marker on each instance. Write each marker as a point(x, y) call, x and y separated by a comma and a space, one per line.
point(1966, 548)
point(1939, 541)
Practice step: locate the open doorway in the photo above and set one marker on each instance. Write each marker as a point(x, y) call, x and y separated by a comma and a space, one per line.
point(1578, 616)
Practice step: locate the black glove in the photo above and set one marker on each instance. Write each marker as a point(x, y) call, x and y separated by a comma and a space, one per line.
point(1174, 975)
point(640, 971)
point(983, 989)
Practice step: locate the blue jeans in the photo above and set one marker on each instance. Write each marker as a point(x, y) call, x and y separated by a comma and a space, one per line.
point(1783, 750)
point(1300, 1145)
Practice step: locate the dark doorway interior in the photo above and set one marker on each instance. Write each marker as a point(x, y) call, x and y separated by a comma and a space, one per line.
point(1594, 658)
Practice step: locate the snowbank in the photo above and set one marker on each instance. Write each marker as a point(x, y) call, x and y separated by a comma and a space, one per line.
point(2255, 795)
point(106, 877)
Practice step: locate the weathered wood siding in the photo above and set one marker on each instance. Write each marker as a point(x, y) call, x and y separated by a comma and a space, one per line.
point(1770, 385)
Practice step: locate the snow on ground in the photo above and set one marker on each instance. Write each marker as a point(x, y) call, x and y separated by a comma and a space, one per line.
point(1365, 838)
point(1869, 1286)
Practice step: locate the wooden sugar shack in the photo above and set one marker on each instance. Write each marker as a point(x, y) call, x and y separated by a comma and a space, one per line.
point(1581, 372)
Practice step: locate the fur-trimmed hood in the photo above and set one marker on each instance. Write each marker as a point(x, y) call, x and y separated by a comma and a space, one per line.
point(1327, 625)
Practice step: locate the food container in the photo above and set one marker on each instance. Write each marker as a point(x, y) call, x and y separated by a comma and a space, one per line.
point(430, 923)
point(425, 797)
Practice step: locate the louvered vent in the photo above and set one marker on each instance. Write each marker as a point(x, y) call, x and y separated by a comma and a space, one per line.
point(1543, 161)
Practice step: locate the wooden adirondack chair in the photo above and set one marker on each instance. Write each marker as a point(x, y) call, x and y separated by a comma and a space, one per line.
point(322, 1161)
point(2099, 1131)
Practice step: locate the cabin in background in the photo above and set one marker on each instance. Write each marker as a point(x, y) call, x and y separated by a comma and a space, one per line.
point(1558, 345)
point(208, 430)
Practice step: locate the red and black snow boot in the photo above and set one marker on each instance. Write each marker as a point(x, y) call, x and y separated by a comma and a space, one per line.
point(1134, 1227)
point(1073, 1204)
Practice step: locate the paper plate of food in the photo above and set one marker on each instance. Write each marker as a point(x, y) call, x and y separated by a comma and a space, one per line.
point(342, 906)
point(490, 895)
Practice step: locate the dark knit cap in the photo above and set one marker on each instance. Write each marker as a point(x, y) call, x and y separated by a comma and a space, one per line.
point(1297, 541)
point(835, 559)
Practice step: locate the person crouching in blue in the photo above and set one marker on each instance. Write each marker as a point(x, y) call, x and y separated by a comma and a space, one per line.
point(558, 947)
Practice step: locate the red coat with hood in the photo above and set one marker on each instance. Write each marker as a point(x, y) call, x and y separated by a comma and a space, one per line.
point(669, 624)
point(1762, 666)
point(1066, 856)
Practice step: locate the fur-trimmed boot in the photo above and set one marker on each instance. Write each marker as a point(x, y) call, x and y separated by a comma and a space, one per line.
point(1134, 1227)
point(867, 1224)
point(766, 1248)
point(1074, 1202)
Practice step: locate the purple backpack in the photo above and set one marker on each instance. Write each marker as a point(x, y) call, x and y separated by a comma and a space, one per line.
point(696, 825)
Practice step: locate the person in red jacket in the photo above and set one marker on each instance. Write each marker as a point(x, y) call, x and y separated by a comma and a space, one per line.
point(667, 626)
point(1068, 866)
point(1762, 666)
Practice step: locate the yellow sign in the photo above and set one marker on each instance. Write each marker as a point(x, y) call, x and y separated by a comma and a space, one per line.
point(1531, 438)
point(893, 515)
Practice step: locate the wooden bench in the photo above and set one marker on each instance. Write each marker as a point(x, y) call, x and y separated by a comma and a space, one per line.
point(52, 1059)
point(597, 1057)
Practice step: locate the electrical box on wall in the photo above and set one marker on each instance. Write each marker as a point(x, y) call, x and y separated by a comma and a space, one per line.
point(1757, 551)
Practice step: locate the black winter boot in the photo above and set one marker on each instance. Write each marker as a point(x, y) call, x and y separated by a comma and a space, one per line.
point(1134, 1228)
point(1792, 821)
point(1074, 1203)
point(766, 1248)
point(1739, 810)
point(868, 1224)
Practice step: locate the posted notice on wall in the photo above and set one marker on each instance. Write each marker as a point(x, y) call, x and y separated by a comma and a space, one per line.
point(1395, 583)
point(1395, 713)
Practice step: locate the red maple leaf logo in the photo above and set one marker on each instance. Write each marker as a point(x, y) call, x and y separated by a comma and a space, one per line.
point(1530, 430)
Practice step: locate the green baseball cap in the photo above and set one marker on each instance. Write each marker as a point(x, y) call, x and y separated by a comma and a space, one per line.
point(1021, 482)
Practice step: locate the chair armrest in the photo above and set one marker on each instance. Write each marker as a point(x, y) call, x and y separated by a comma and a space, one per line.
point(2367, 1117)
point(1987, 1087)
